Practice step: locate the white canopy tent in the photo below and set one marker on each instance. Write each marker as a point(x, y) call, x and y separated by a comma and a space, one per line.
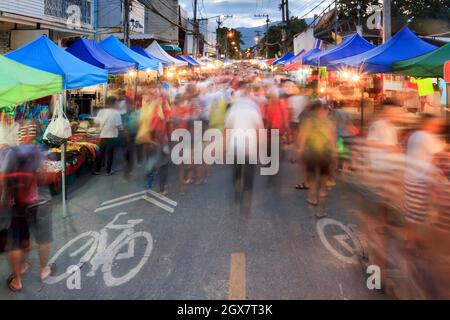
point(156, 51)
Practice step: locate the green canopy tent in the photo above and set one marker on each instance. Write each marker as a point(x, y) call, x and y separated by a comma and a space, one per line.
point(430, 65)
point(20, 83)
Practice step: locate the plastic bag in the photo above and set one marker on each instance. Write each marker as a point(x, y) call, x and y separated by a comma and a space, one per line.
point(58, 130)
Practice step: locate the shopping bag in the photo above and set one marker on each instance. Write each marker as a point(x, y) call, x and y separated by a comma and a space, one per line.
point(59, 129)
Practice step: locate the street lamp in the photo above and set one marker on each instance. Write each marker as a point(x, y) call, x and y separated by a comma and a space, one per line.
point(230, 34)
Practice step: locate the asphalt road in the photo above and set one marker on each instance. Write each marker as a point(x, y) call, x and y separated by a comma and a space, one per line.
point(204, 249)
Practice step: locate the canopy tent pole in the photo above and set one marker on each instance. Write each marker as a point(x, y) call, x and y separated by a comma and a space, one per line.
point(104, 92)
point(62, 104)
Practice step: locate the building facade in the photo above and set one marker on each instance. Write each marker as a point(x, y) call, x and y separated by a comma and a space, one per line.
point(22, 21)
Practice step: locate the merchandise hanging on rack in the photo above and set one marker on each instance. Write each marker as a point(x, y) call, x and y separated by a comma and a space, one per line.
point(58, 130)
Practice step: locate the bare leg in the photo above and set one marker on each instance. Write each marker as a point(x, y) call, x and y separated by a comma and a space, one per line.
point(16, 258)
point(43, 251)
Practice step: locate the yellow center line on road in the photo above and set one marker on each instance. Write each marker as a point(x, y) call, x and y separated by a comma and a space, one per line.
point(237, 285)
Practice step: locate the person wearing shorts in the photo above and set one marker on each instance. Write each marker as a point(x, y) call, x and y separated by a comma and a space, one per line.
point(317, 148)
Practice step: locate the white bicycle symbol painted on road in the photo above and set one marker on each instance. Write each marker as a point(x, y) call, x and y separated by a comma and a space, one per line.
point(342, 238)
point(101, 254)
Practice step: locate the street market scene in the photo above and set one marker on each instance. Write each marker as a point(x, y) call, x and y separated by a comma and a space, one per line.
point(224, 150)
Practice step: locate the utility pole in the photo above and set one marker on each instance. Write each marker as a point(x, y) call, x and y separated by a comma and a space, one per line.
point(386, 20)
point(219, 25)
point(195, 35)
point(267, 31)
point(283, 28)
point(336, 22)
point(126, 22)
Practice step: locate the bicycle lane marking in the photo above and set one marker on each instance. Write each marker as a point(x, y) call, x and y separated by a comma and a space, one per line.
point(146, 195)
point(341, 239)
point(102, 254)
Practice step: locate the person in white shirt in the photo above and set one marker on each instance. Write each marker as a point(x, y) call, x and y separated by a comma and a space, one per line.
point(110, 121)
point(244, 120)
point(422, 175)
point(122, 103)
point(383, 139)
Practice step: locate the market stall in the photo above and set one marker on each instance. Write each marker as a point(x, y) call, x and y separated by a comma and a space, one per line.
point(155, 50)
point(45, 55)
point(403, 45)
point(350, 46)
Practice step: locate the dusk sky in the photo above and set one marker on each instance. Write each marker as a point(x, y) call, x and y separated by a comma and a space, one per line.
point(243, 11)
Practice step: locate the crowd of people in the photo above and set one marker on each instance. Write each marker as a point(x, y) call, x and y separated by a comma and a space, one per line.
point(319, 133)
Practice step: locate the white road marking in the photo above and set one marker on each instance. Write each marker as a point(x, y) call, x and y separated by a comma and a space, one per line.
point(124, 197)
point(159, 204)
point(347, 234)
point(164, 198)
point(118, 204)
point(141, 195)
point(342, 239)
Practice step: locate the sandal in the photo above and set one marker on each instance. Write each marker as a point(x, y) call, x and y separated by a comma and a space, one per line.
point(52, 270)
point(313, 203)
point(9, 283)
point(301, 186)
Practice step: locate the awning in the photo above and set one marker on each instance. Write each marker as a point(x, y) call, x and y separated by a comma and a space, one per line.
point(296, 57)
point(144, 53)
point(404, 45)
point(293, 66)
point(20, 83)
point(117, 49)
point(430, 65)
point(284, 58)
point(310, 53)
point(45, 55)
point(170, 47)
point(91, 52)
point(350, 46)
point(155, 50)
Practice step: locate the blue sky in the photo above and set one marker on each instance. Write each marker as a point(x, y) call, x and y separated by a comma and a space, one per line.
point(243, 11)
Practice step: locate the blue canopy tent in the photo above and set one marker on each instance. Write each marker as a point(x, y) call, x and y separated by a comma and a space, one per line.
point(91, 52)
point(45, 55)
point(310, 53)
point(350, 46)
point(296, 57)
point(284, 58)
point(117, 49)
point(182, 58)
point(191, 58)
point(144, 53)
point(404, 45)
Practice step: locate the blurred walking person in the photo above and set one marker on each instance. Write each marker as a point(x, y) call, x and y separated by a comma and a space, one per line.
point(317, 145)
point(110, 121)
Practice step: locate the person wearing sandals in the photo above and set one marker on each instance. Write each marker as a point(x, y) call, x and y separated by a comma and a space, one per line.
point(31, 213)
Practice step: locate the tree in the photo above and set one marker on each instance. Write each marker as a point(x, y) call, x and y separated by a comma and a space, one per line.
point(273, 37)
point(228, 38)
point(423, 16)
